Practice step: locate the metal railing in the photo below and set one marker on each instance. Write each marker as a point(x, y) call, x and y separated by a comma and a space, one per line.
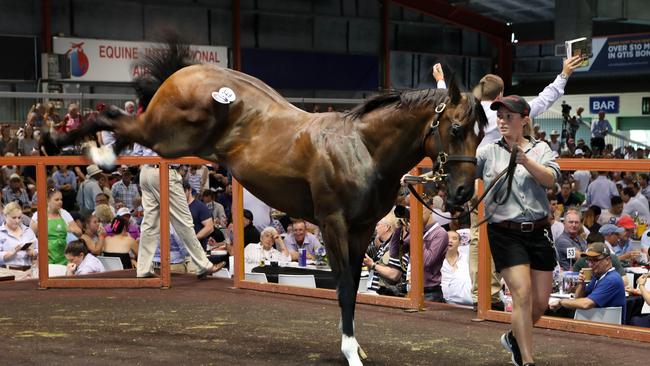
point(549, 121)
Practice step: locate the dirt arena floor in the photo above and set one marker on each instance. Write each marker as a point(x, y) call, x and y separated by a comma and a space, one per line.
point(209, 323)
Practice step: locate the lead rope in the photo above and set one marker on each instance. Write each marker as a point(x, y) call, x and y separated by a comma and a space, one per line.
point(509, 171)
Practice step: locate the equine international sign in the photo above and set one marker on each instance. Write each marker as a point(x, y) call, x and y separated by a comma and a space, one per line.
point(111, 60)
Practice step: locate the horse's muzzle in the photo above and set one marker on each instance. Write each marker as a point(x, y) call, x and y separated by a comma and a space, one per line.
point(462, 195)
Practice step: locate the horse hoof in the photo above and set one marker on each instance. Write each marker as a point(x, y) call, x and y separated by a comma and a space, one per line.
point(362, 354)
point(351, 351)
point(104, 156)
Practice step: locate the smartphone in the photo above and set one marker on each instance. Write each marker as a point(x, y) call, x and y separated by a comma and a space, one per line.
point(26, 246)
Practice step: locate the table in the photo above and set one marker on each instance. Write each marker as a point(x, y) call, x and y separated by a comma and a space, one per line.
point(322, 274)
point(12, 274)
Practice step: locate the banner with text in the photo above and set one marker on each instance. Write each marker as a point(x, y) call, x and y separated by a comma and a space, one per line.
point(621, 53)
point(110, 60)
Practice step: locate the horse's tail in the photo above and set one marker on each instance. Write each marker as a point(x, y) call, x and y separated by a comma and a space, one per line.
point(161, 64)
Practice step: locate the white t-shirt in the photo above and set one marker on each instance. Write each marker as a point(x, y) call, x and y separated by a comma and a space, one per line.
point(457, 284)
point(582, 177)
point(65, 215)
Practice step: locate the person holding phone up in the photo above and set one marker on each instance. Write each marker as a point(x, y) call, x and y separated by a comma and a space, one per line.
point(18, 245)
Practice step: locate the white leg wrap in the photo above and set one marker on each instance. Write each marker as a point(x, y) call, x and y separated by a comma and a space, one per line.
point(350, 349)
point(103, 156)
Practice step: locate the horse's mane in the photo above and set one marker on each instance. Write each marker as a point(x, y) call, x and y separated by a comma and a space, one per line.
point(411, 98)
point(161, 64)
point(415, 98)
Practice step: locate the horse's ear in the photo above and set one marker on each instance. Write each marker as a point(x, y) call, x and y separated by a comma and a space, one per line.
point(454, 91)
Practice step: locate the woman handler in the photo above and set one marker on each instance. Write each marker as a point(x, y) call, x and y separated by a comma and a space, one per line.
point(518, 229)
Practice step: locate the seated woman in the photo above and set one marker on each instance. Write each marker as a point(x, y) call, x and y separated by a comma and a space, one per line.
point(14, 235)
point(643, 290)
point(264, 251)
point(456, 282)
point(121, 244)
point(93, 234)
point(59, 223)
point(105, 216)
point(81, 262)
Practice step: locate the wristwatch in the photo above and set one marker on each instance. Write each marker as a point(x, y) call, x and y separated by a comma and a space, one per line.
point(564, 76)
point(373, 266)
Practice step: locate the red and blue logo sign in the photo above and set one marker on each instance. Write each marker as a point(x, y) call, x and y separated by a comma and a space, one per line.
point(78, 60)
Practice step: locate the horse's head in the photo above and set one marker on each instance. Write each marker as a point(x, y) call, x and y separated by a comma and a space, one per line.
point(452, 136)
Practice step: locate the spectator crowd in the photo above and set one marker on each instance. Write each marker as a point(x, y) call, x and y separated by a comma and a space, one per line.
point(601, 216)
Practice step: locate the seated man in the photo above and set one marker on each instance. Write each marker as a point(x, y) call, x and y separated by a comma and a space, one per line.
point(390, 278)
point(625, 251)
point(566, 196)
point(570, 238)
point(264, 251)
point(612, 214)
point(606, 288)
point(378, 248)
point(301, 239)
point(15, 192)
point(456, 282)
point(435, 242)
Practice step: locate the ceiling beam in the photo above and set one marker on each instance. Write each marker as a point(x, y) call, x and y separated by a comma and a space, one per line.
point(459, 16)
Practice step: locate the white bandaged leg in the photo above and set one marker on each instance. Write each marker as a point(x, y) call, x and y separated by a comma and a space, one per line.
point(350, 349)
point(103, 156)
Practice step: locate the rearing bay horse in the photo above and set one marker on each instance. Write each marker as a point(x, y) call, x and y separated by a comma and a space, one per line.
point(339, 171)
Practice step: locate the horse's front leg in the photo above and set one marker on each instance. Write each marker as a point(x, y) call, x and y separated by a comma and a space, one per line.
point(335, 234)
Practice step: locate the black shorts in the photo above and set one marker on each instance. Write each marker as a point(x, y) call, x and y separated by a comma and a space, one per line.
point(513, 247)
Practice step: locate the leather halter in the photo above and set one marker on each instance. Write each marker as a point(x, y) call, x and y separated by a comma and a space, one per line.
point(439, 172)
point(443, 158)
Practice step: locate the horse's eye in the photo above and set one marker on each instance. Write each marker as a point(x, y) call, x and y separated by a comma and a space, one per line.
point(456, 130)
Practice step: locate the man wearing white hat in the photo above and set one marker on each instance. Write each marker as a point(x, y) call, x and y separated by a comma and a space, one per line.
point(89, 190)
point(15, 192)
point(555, 143)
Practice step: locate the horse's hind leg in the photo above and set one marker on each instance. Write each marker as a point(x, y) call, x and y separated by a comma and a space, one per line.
point(87, 128)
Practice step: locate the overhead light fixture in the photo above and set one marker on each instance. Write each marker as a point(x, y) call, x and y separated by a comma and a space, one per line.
point(513, 39)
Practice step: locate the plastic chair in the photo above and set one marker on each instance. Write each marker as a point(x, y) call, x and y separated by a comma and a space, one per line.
point(256, 277)
point(610, 315)
point(646, 308)
point(308, 281)
point(222, 273)
point(111, 263)
point(363, 285)
point(56, 270)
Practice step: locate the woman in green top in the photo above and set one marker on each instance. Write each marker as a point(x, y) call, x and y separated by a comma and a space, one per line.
point(59, 223)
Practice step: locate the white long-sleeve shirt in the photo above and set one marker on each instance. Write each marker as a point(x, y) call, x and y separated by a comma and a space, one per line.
point(538, 105)
point(456, 283)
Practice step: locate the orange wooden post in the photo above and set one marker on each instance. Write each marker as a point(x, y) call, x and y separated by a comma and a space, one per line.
point(484, 262)
point(237, 212)
point(416, 247)
point(41, 192)
point(165, 270)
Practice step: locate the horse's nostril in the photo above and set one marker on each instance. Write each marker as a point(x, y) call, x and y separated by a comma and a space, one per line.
point(460, 191)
